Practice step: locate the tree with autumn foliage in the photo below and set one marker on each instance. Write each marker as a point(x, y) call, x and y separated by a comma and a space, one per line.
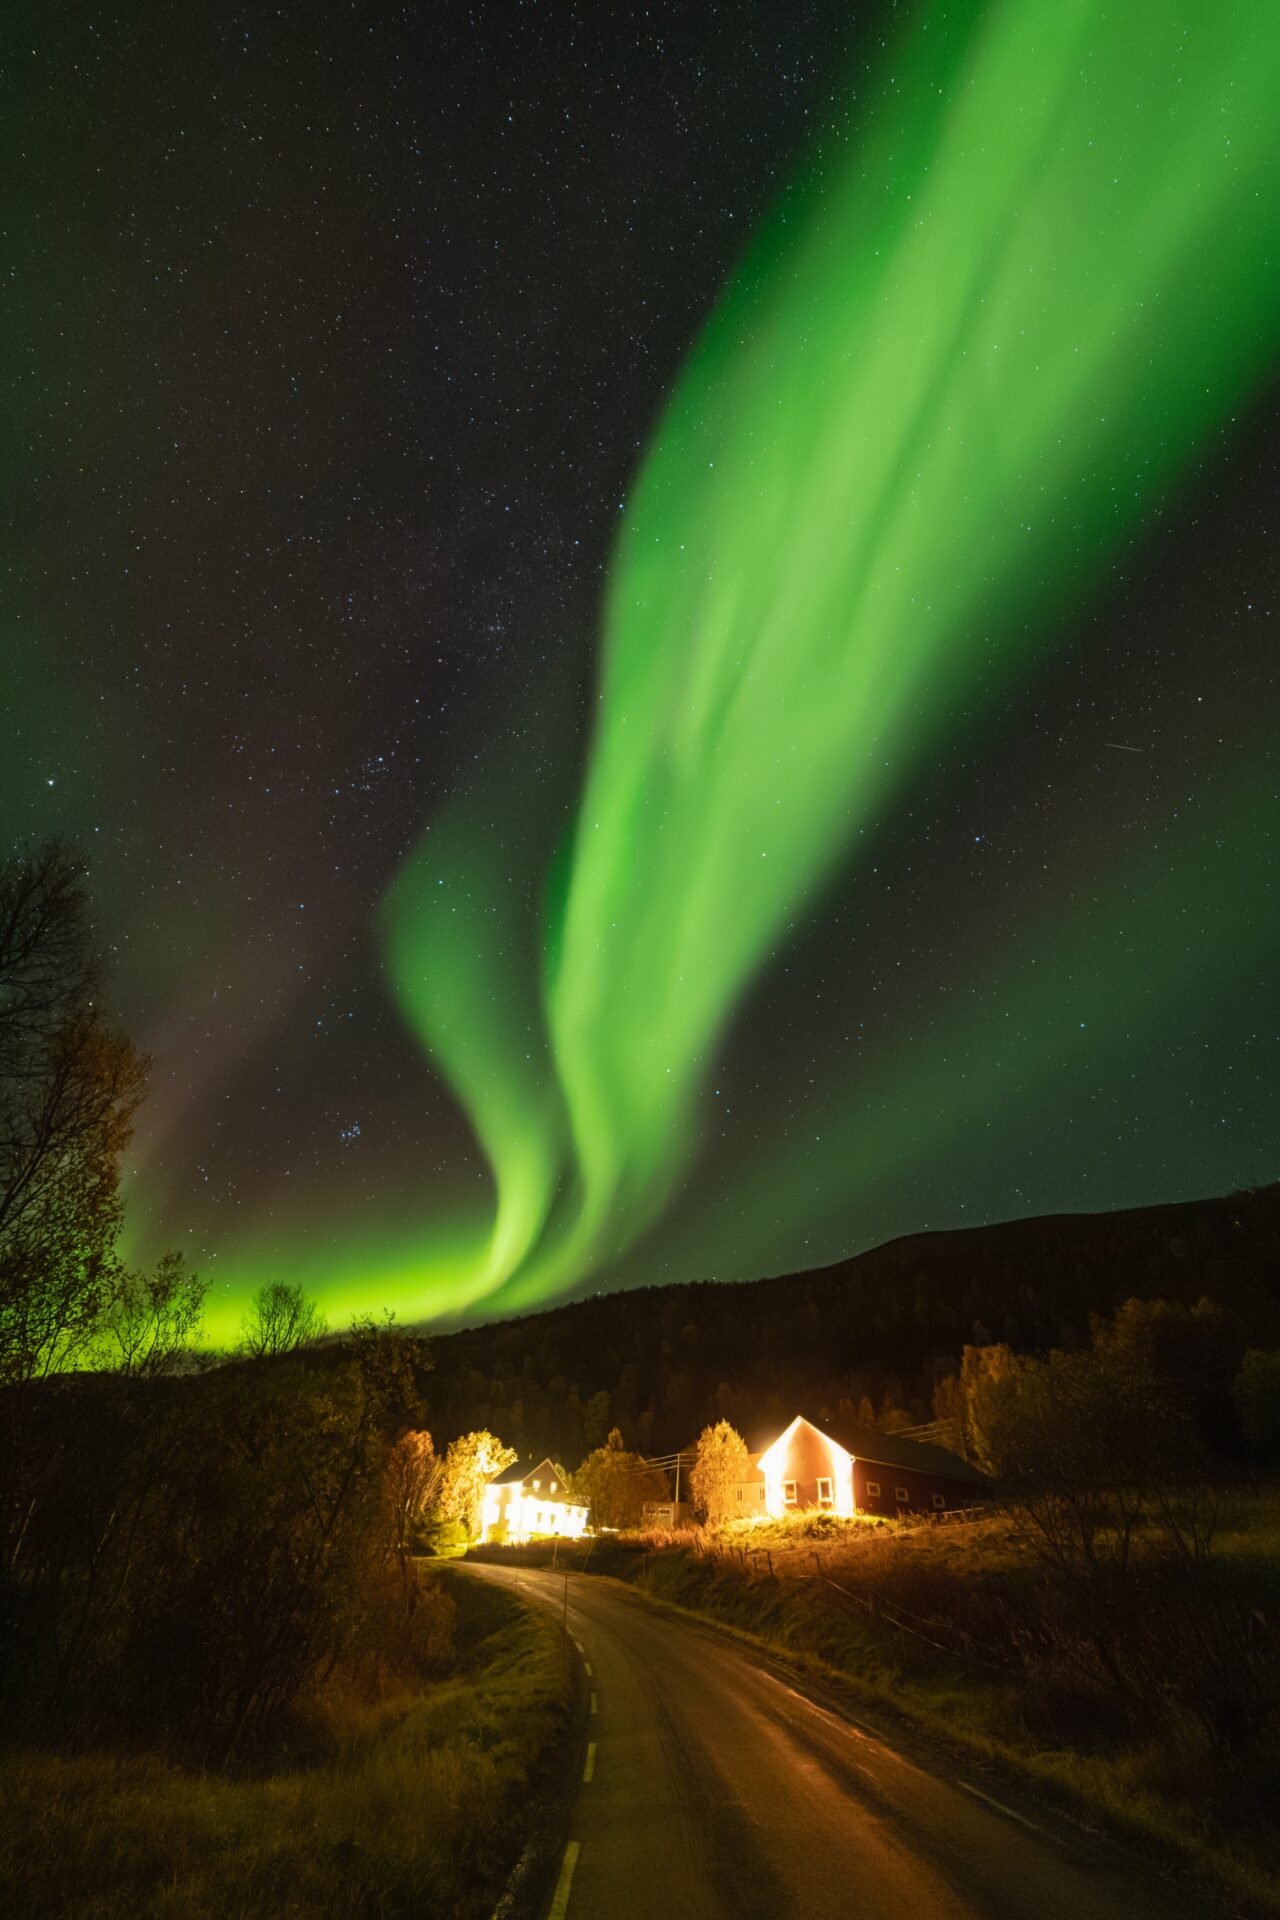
point(614, 1484)
point(470, 1464)
point(719, 1468)
point(412, 1475)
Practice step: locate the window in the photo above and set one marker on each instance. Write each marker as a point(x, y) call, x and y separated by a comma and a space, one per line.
point(537, 1486)
point(873, 1489)
point(739, 1493)
point(553, 1486)
point(900, 1493)
point(825, 1497)
point(788, 1493)
point(939, 1500)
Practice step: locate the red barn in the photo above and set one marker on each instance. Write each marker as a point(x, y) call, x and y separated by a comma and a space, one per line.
point(856, 1471)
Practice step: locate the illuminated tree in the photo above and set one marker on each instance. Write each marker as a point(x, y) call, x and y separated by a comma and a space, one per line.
point(281, 1319)
point(414, 1471)
point(469, 1465)
point(719, 1468)
point(412, 1477)
point(614, 1484)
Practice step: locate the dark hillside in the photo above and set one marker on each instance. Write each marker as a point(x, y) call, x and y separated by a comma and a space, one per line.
point(661, 1361)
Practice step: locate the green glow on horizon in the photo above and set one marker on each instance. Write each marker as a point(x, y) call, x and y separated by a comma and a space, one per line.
point(957, 367)
point(354, 1273)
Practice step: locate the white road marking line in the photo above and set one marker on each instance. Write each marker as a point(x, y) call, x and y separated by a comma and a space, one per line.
point(593, 1703)
point(590, 1767)
point(560, 1901)
point(999, 1806)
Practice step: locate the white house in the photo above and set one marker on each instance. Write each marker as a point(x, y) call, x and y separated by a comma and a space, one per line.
point(530, 1502)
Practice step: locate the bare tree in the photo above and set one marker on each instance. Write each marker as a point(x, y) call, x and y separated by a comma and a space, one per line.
point(69, 1088)
point(280, 1319)
point(153, 1321)
point(49, 968)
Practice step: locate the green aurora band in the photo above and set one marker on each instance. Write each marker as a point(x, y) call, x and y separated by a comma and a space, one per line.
point(964, 359)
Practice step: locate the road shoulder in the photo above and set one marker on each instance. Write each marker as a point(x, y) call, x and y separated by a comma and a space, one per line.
point(1027, 1801)
point(553, 1784)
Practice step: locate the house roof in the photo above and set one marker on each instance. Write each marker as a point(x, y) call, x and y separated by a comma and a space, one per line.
point(522, 1470)
point(892, 1450)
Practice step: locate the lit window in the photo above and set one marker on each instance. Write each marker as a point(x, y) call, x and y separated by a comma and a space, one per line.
point(553, 1486)
point(873, 1489)
point(825, 1496)
point(788, 1493)
point(537, 1486)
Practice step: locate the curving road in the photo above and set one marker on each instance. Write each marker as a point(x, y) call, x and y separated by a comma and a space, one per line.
point(713, 1790)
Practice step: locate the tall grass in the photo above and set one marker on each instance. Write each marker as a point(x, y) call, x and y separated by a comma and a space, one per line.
point(413, 1806)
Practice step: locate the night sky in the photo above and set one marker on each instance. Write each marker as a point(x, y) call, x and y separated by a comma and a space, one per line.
point(342, 347)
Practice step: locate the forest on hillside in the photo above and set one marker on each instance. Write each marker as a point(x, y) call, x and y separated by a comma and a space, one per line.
point(871, 1339)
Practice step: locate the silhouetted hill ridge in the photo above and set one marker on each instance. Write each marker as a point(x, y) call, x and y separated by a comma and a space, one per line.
point(887, 1322)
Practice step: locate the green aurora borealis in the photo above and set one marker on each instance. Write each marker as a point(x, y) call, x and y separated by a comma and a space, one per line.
point(852, 877)
point(951, 374)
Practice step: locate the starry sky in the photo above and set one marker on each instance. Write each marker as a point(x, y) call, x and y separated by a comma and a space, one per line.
point(346, 492)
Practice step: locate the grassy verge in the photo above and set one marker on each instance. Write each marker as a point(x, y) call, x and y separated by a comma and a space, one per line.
point(776, 1585)
point(417, 1806)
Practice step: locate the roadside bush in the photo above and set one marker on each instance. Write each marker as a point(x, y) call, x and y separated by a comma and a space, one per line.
point(203, 1550)
point(439, 1539)
point(415, 1805)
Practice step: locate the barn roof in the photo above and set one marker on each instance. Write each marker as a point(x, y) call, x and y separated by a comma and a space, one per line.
point(893, 1450)
point(897, 1450)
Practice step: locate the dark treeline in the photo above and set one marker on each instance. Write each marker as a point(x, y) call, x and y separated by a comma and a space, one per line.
point(878, 1335)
